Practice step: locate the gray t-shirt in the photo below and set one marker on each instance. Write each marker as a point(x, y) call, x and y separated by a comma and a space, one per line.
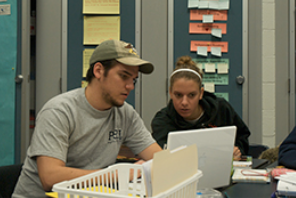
point(70, 129)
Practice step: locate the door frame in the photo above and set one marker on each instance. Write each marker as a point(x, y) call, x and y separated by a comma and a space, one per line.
point(22, 110)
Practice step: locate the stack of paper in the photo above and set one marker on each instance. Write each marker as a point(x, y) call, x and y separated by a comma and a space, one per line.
point(287, 184)
point(251, 175)
point(242, 164)
point(169, 168)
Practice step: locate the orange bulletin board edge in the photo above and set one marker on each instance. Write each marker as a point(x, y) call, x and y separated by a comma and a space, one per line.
point(206, 28)
point(218, 15)
point(209, 44)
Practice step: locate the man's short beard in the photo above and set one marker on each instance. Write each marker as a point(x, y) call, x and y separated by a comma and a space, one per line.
point(108, 99)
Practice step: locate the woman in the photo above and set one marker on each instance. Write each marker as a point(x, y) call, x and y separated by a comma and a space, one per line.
point(191, 107)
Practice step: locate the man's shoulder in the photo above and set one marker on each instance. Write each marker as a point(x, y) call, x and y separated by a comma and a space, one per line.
point(66, 98)
point(126, 107)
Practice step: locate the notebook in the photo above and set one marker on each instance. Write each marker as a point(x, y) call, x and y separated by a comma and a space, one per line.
point(215, 152)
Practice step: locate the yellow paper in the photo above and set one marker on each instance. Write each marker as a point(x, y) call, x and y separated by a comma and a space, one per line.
point(55, 194)
point(86, 56)
point(100, 28)
point(84, 83)
point(101, 6)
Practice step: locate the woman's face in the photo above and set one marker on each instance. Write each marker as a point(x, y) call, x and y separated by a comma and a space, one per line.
point(186, 94)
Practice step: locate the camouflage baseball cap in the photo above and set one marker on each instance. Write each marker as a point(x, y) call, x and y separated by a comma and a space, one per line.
point(121, 51)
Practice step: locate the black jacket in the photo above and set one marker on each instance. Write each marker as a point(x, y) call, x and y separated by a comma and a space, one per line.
point(217, 112)
point(287, 151)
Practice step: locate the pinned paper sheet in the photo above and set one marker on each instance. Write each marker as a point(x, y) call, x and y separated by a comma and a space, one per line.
point(217, 32)
point(203, 4)
point(199, 65)
point(211, 4)
point(197, 14)
point(222, 68)
point(222, 95)
point(193, 3)
point(100, 7)
point(207, 18)
point(210, 68)
point(224, 5)
point(209, 45)
point(217, 79)
point(84, 83)
point(209, 87)
point(214, 5)
point(202, 51)
point(86, 56)
point(206, 28)
point(216, 51)
point(219, 5)
point(100, 28)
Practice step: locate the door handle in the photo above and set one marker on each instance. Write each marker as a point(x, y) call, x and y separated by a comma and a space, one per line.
point(240, 80)
point(19, 79)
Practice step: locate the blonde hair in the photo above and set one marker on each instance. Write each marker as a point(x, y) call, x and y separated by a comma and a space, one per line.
point(183, 64)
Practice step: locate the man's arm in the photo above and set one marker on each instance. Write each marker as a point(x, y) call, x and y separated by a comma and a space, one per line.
point(52, 171)
point(148, 152)
point(287, 151)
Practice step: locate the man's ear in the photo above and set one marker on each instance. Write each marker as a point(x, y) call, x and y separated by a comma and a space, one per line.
point(98, 70)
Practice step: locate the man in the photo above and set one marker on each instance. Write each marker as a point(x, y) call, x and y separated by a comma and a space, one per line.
point(81, 131)
point(287, 151)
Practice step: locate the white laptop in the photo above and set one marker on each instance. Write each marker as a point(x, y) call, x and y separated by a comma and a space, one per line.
point(215, 152)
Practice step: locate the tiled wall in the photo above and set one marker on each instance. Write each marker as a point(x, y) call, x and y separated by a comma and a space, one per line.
point(268, 72)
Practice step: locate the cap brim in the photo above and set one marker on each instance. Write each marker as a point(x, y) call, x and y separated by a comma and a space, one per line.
point(144, 66)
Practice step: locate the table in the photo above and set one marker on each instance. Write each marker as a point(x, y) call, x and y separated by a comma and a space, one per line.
point(252, 190)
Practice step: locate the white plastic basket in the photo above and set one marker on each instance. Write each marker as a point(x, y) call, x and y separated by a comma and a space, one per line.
point(121, 186)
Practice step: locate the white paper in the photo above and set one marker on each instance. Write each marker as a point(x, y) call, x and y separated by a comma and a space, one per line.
point(202, 51)
point(215, 5)
point(193, 3)
point(217, 32)
point(210, 68)
point(208, 18)
point(289, 177)
point(210, 87)
point(224, 5)
point(203, 4)
point(216, 51)
point(5, 9)
point(222, 68)
point(286, 188)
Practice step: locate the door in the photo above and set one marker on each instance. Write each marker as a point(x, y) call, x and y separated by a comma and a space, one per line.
point(11, 78)
point(227, 85)
point(8, 66)
point(14, 74)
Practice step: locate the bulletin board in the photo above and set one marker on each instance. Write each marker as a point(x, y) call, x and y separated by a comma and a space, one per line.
point(76, 44)
point(233, 36)
point(8, 66)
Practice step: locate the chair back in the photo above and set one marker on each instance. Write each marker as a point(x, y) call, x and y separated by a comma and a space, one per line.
point(256, 149)
point(8, 178)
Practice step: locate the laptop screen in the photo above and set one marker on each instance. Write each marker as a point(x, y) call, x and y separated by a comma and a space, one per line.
point(215, 152)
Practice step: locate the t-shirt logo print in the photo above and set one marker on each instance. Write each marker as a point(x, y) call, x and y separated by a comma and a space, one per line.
point(115, 136)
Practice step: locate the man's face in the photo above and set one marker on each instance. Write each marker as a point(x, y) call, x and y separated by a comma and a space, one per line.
point(118, 83)
point(186, 95)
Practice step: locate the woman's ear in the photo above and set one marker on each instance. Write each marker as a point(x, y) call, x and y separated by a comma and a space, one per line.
point(201, 93)
point(170, 92)
point(98, 70)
